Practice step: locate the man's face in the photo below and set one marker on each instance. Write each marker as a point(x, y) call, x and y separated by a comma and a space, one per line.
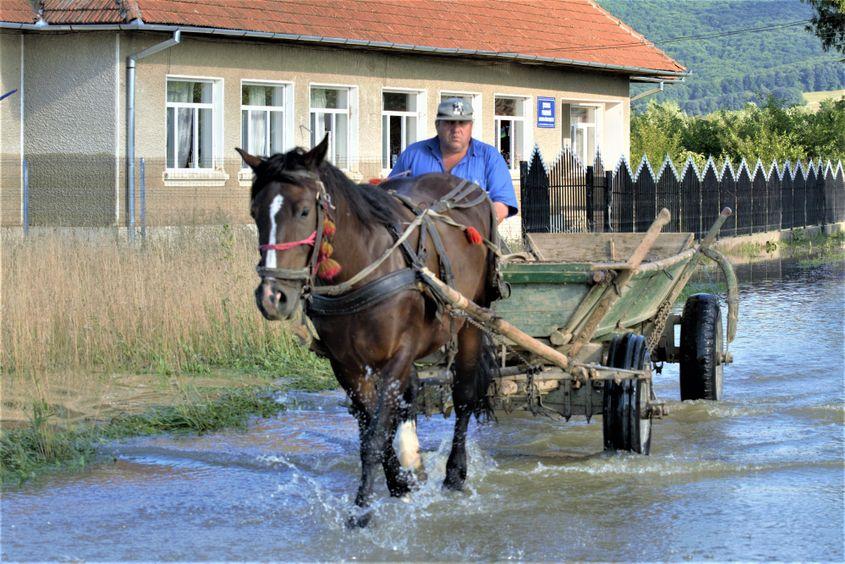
point(454, 136)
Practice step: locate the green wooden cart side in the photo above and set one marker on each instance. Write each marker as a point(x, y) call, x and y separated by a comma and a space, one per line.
point(558, 291)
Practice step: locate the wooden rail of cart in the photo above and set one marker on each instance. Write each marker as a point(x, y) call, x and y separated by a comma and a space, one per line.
point(587, 316)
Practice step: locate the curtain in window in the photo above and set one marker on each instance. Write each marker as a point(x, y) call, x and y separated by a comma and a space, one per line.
point(185, 137)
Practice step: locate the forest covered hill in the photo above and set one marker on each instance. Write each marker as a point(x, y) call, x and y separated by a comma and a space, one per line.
point(738, 51)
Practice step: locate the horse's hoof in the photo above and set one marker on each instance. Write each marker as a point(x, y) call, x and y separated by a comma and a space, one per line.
point(359, 521)
point(453, 485)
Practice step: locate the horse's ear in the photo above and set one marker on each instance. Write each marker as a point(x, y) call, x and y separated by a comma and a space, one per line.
point(251, 160)
point(314, 158)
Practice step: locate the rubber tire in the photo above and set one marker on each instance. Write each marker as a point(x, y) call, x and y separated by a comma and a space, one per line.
point(624, 424)
point(702, 374)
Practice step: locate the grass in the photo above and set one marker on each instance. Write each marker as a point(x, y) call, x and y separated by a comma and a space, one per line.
point(181, 304)
point(813, 99)
point(171, 312)
point(41, 447)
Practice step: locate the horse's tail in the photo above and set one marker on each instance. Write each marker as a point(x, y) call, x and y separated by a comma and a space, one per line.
point(488, 368)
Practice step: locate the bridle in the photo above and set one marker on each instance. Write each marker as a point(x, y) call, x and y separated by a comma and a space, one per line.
point(306, 275)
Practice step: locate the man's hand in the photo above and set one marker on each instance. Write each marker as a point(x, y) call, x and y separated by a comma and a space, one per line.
point(501, 211)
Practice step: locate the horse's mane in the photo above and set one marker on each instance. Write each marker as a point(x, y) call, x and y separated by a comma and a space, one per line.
point(370, 204)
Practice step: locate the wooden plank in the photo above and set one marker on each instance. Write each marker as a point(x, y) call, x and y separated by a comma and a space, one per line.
point(540, 309)
point(603, 247)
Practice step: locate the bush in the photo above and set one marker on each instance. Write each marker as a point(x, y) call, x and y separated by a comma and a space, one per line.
point(772, 131)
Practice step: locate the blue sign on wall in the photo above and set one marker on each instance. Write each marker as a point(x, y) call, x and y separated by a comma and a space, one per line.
point(545, 111)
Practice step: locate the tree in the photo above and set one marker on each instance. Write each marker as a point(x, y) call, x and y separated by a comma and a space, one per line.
point(828, 23)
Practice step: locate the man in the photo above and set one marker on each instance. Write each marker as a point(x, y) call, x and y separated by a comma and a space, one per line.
point(454, 151)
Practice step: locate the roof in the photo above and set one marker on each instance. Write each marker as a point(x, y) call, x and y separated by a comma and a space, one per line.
point(570, 32)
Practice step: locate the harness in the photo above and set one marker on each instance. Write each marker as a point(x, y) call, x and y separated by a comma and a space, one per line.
point(342, 299)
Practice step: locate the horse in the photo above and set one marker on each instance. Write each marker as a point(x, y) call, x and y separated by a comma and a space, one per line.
point(318, 230)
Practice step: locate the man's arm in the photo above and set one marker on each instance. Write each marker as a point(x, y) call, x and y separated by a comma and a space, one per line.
point(501, 211)
point(500, 186)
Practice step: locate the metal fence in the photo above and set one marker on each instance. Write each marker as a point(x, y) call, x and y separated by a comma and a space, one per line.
point(90, 191)
point(570, 197)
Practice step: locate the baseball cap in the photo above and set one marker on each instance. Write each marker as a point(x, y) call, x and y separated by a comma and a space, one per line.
point(454, 109)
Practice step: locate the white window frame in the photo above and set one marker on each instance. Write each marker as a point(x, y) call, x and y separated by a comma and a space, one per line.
point(596, 125)
point(419, 114)
point(287, 113)
point(216, 107)
point(352, 115)
point(527, 119)
point(478, 121)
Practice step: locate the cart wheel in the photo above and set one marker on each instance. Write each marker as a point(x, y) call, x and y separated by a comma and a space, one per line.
point(625, 421)
point(701, 349)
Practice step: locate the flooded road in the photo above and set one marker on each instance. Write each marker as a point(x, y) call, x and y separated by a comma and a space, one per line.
point(758, 476)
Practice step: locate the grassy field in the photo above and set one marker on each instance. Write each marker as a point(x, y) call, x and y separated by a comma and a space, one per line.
point(813, 99)
point(96, 331)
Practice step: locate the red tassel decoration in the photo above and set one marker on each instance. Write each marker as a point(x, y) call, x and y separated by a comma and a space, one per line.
point(473, 236)
point(326, 250)
point(328, 227)
point(328, 269)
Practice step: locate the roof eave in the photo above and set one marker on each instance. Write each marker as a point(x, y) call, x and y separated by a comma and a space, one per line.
point(137, 25)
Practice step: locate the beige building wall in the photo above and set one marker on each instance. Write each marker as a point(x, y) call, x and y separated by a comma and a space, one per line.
point(11, 44)
point(211, 196)
point(71, 121)
point(75, 115)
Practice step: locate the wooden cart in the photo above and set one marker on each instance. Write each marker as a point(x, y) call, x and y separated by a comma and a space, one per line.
point(586, 318)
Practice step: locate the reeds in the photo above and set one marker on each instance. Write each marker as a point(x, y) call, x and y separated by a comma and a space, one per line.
point(181, 302)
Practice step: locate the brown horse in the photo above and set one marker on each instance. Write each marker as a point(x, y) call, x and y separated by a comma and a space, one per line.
point(372, 338)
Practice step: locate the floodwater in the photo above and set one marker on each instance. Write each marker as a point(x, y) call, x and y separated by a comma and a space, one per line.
point(758, 476)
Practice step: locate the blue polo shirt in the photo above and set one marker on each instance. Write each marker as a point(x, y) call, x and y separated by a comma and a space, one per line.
point(482, 164)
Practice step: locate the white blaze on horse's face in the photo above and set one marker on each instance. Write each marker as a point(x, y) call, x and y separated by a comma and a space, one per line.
point(275, 206)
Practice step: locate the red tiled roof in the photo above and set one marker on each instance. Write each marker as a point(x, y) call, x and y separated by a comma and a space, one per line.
point(88, 11)
point(574, 30)
point(17, 11)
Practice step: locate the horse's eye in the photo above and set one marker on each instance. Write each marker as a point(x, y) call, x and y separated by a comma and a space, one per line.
point(304, 212)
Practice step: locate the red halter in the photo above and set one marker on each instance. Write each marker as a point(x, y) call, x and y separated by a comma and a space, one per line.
point(285, 246)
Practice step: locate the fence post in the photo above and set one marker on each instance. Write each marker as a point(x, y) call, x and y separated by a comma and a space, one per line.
point(608, 200)
point(130, 212)
point(590, 181)
point(143, 195)
point(25, 195)
point(523, 177)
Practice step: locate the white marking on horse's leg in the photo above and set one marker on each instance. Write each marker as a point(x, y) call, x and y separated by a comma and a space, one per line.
point(275, 206)
point(407, 445)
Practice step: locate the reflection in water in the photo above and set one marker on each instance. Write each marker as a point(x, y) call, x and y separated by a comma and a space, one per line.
point(758, 476)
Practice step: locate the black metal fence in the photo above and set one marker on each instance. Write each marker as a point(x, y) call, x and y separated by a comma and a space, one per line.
point(570, 197)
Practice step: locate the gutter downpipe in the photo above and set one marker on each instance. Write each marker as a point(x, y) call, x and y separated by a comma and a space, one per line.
point(130, 119)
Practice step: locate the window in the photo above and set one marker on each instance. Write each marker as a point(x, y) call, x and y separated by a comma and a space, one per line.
point(399, 124)
point(583, 128)
point(264, 128)
point(330, 113)
point(190, 124)
point(510, 129)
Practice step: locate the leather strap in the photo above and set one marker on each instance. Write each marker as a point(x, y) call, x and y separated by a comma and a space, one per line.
point(364, 297)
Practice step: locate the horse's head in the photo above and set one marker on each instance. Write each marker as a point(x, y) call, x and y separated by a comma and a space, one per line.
point(286, 204)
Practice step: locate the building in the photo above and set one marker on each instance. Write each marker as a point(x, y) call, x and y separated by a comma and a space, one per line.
point(269, 75)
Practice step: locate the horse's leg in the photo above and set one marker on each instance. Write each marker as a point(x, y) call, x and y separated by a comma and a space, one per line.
point(399, 480)
point(406, 442)
point(467, 394)
point(393, 379)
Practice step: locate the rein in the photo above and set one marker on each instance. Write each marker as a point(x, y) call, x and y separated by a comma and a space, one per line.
point(285, 246)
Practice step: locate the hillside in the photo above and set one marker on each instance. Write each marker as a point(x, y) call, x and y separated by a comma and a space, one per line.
point(733, 60)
